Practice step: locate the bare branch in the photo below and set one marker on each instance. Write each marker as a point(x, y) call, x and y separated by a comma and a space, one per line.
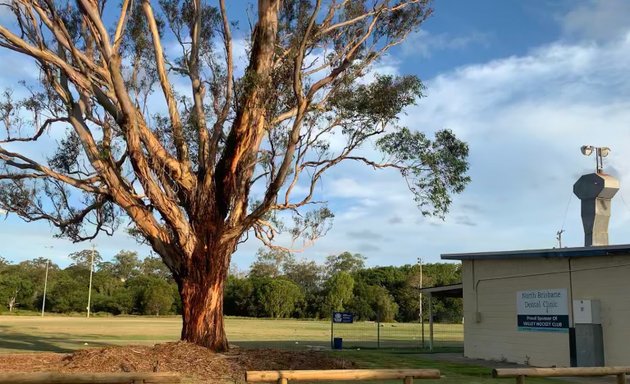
point(37, 134)
point(122, 22)
point(27, 164)
point(366, 15)
point(217, 130)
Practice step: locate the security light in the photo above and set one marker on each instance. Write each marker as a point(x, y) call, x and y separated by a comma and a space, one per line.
point(587, 150)
point(600, 153)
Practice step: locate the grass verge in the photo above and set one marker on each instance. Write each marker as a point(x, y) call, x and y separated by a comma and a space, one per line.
point(452, 372)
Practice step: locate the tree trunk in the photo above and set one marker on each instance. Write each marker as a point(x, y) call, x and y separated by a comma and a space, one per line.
point(12, 302)
point(202, 305)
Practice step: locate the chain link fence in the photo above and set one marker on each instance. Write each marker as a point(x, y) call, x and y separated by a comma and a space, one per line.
point(370, 334)
point(320, 335)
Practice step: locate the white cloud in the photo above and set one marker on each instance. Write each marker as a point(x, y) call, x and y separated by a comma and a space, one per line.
point(426, 44)
point(524, 118)
point(597, 19)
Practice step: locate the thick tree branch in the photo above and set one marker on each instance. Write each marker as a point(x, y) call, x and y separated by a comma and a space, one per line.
point(198, 89)
point(236, 166)
point(217, 129)
point(120, 26)
point(44, 56)
point(24, 163)
point(178, 134)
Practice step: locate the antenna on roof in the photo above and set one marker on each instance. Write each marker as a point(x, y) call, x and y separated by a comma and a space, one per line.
point(559, 237)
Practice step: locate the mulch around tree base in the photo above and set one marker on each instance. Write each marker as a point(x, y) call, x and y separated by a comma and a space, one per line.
point(191, 361)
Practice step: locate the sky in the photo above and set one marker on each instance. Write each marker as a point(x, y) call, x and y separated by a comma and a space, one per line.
point(524, 83)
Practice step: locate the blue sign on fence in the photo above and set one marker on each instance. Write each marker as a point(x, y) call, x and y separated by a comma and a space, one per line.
point(342, 317)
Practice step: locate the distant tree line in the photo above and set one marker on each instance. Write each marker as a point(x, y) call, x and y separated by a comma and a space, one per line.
point(277, 286)
point(125, 285)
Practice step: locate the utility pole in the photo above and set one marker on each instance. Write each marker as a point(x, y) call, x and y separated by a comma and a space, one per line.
point(45, 281)
point(45, 287)
point(90, 290)
point(420, 301)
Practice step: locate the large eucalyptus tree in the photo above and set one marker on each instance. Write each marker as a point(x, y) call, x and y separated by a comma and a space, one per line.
point(164, 130)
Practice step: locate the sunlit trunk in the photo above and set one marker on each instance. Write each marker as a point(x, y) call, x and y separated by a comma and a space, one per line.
point(202, 307)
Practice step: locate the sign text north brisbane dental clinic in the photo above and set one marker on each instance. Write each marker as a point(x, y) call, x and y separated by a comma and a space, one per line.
point(542, 310)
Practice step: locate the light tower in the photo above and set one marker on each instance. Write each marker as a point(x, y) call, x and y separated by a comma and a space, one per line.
point(596, 191)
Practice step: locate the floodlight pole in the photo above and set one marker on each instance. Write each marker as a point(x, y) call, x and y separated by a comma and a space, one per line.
point(45, 287)
point(420, 302)
point(90, 289)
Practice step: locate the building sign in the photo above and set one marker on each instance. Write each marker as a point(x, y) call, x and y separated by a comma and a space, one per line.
point(342, 317)
point(542, 310)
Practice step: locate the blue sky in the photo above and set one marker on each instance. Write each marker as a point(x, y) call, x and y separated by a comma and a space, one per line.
point(524, 83)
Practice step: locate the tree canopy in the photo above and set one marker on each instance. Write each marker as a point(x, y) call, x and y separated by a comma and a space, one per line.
point(196, 168)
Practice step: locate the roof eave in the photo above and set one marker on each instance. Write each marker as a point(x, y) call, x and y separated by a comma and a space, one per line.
point(606, 250)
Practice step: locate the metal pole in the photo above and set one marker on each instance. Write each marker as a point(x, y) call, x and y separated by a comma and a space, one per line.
point(45, 287)
point(430, 323)
point(420, 302)
point(332, 329)
point(378, 330)
point(90, 289)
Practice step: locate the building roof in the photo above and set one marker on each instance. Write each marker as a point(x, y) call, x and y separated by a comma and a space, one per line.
point(452, 290)
point(603, 250)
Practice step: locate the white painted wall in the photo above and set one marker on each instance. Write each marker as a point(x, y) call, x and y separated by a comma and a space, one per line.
point(490, 286)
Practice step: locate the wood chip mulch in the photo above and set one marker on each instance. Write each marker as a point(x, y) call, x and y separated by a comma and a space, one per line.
point(196, 363)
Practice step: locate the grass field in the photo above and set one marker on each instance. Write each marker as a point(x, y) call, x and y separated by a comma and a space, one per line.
point(65, 334)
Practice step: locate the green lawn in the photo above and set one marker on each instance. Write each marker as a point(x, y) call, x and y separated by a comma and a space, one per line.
point(64, 334)
point(452, 373)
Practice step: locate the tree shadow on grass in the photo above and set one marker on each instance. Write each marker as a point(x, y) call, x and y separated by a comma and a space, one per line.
point(403, 347)
point(16, 341)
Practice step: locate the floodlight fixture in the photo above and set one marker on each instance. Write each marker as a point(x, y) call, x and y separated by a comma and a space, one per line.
point(587, 150)
point(600, 153)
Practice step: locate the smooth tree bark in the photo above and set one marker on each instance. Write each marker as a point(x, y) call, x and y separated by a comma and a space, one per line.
point(12, 300)
point(148, 116)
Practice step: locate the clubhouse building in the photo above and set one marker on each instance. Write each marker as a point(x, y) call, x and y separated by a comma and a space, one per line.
point(553, 307)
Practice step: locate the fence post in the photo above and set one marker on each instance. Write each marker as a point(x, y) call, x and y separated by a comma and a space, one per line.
point(283, 381)
point(378, 330)
point(520, 379)
point(430, 322)
point(621, 378)
point(332, 329)
point(408, 380)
